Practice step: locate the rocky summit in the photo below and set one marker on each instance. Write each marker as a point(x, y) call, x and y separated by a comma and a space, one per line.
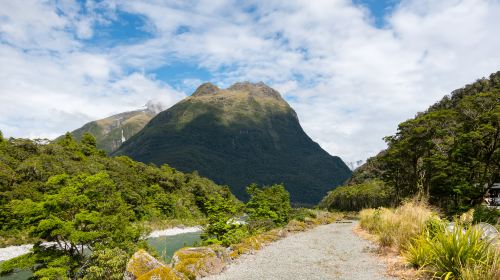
point(237, 136)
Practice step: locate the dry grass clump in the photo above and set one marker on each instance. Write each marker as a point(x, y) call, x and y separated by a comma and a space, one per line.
point(428, 244)
point(396, 227)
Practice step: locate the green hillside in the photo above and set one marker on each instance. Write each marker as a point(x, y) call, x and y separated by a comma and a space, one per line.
point(110, 132)
point(237, 136)
point(449, 154)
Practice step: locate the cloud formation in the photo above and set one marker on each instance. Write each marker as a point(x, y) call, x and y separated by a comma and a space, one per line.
point(350, 81)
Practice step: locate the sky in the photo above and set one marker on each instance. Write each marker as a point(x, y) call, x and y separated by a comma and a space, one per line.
point(352, 70)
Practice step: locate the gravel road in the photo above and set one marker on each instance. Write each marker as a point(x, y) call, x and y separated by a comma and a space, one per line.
point(327, 252)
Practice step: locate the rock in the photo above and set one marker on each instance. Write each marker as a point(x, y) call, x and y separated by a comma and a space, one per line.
point(140, 264)
point(162, 273)
point(200, 262)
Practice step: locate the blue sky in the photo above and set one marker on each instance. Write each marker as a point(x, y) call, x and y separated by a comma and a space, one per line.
point(129, 28)
point(351, 69)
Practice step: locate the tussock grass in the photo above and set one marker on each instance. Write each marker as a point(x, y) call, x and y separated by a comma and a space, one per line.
point(425, 242)
point(396, 227)
point(489, 269)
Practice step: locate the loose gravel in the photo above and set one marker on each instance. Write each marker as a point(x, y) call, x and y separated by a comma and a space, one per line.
point(327, 252)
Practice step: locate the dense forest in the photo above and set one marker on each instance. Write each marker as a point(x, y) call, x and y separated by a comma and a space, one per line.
point(449, 154)
point(72, 194)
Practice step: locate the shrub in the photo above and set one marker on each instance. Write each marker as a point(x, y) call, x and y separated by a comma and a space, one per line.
point(489, 269)
point(269, 202)
point(486, 215)
point(419, 251)
point(370, 194)
point(453, 254)
point(453, 250)
point(396, 226)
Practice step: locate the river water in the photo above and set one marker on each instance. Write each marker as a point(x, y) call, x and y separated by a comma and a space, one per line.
point(164, 245)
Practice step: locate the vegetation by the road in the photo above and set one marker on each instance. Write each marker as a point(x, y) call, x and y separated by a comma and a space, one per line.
point(91, 206)
point(448, 154)
point(95, 209)
point(369, 194)
point(428, 243)
point(268, 208)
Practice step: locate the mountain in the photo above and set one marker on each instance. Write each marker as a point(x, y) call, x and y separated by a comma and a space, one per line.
point(112, 131)
point(244, 134)
point(450, 153)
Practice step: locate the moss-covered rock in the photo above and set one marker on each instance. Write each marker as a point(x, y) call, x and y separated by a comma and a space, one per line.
point(162, 273)
point(140, 264)
point(200, 262)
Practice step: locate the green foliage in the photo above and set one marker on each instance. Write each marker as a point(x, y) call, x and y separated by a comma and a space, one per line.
point(451, 253)
point(108, 135)
point(90, 205)
point(448, 153)
point(370, 194)
point(269, 203)
point(458, 248)
point(221, 228)
point(301, 214)
point(418, 252)
point(486, 215)
point(25, 262)
point(268, 207)
point(106, 264)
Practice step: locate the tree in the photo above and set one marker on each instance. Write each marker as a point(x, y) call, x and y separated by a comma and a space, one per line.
point(270, 202)
point(87, 213)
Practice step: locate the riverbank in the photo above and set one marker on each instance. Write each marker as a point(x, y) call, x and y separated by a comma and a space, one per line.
point(11, 252)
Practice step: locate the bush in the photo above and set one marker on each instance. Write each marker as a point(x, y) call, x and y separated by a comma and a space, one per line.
point(269, 202)
point(453, 254)
point(486, 215)
point(453, 250)
point(490, 269)
point(396, 226)
point(370, 194)
point(424, 241)
point(419, 251)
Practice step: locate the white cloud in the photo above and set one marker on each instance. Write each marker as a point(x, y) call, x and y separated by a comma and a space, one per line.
point(350, 82)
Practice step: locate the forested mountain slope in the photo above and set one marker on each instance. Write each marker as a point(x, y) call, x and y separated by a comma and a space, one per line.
point(449, 153)
point(237, 136)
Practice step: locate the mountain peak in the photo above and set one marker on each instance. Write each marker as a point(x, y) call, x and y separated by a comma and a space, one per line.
point(239, 135)
point(206, 89)
point(258, 89)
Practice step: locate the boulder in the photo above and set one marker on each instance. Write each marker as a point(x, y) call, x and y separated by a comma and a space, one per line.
point(141, 263)
point(200, 262)
point(162, 273)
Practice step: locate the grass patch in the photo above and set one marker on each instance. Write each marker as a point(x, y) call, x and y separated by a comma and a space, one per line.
point(427, 243)
point(396, 227)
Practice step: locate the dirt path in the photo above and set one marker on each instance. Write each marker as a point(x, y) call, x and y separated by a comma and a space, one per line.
point(327, 252)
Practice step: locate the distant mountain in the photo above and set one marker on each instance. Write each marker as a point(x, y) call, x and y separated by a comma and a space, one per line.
point(112, 131)
point(244, 134)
